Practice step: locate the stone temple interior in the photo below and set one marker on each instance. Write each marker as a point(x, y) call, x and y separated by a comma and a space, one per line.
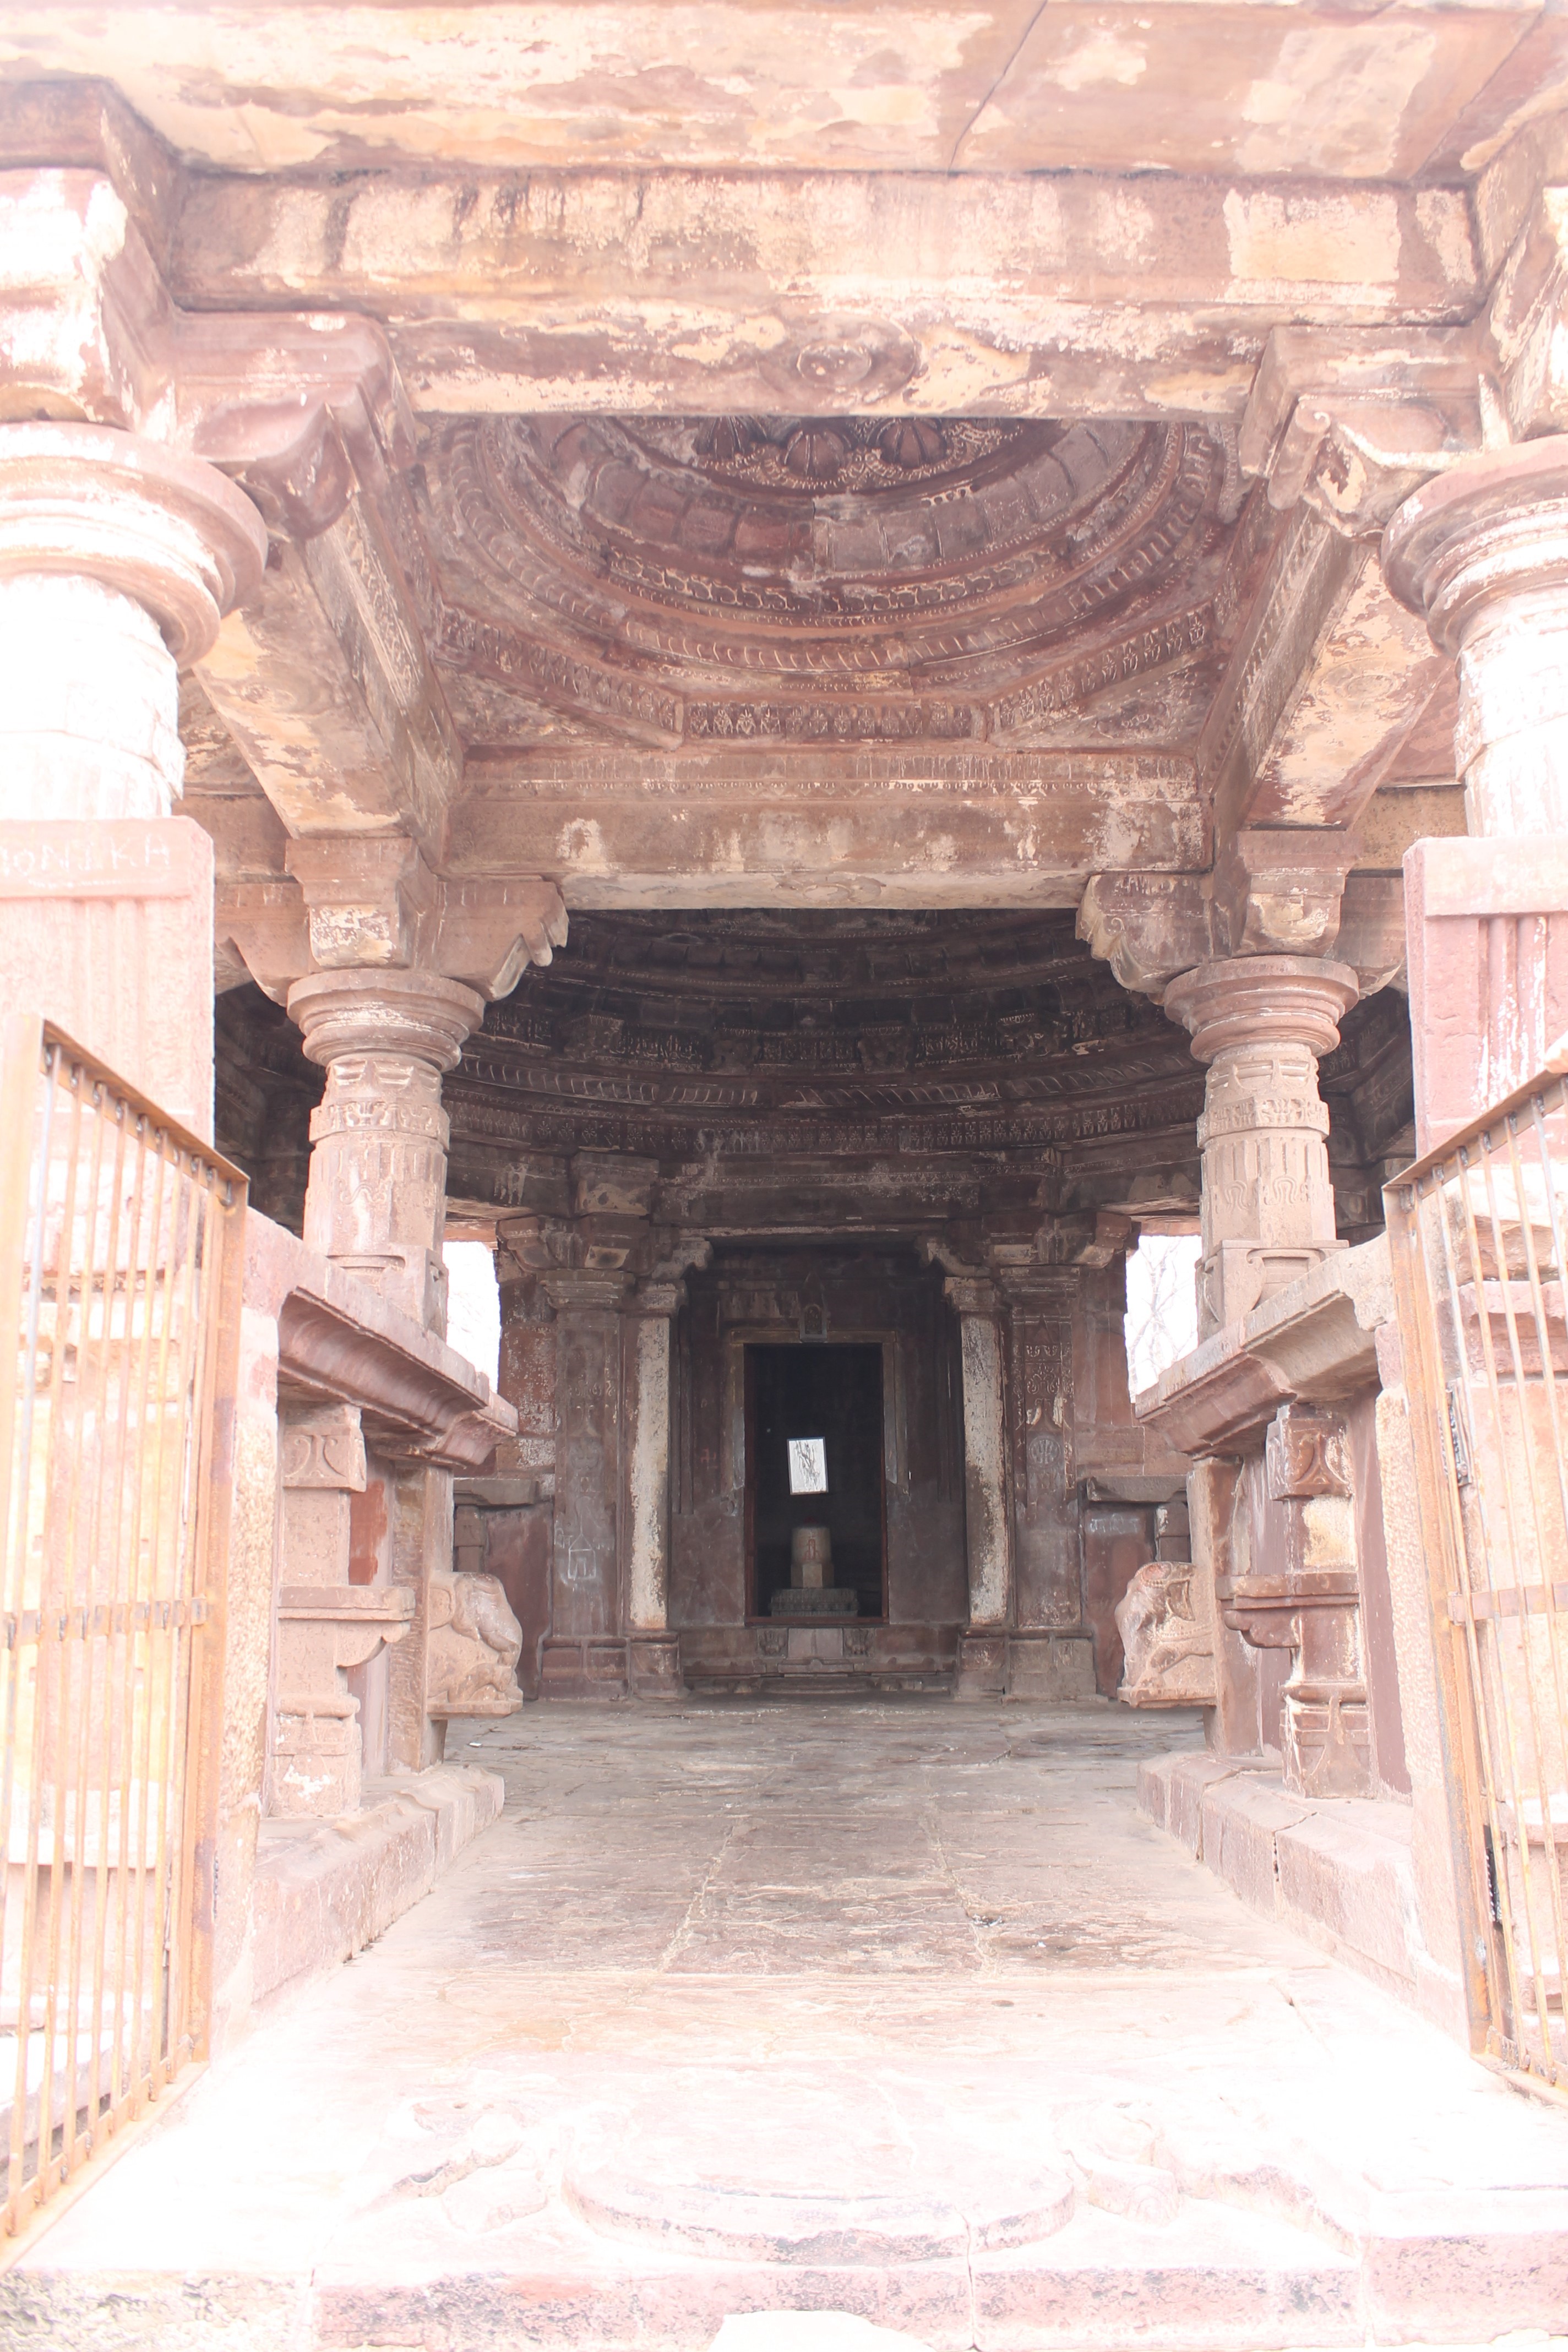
point(807, 1121)
point(822, 672)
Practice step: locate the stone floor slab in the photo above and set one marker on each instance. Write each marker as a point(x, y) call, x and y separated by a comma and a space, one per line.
point(894, 2008)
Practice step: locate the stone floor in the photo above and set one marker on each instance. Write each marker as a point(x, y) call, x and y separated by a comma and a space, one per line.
point(896, 2008)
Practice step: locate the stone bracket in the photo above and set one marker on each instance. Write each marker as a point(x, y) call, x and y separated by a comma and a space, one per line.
point(371, 902)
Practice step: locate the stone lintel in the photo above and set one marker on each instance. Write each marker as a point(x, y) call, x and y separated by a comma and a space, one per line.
point(1314, 1343)
point(340, 1343)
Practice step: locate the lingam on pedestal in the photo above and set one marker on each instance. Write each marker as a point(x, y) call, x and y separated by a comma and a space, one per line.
point(811, 1591)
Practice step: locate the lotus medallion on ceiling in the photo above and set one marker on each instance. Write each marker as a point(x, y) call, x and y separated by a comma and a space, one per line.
point(845, 580)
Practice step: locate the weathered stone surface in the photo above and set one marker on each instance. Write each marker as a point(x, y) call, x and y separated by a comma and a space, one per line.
point(1286, 2137)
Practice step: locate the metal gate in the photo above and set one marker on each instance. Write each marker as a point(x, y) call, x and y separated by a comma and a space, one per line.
point(1480, 1236)
point(120, 1260)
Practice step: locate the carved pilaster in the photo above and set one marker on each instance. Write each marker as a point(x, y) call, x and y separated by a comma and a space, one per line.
point(1305, 1597)
point(1260, 1022)
point(325, 1625)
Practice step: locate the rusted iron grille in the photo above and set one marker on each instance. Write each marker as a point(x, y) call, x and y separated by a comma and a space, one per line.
point(120, 1247)
point(1479, 1235)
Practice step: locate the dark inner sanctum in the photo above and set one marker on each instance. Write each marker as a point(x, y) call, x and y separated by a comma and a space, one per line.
point(832, 1393)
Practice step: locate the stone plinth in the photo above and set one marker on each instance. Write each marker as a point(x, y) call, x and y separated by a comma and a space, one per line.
point(1488, 924)
point(105, 927)
point(815, 1601)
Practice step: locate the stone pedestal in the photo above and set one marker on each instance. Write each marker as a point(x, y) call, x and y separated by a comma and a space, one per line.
point(118, 560)
point(1482, 552)
point(1260, 1022)
point(376, 1201)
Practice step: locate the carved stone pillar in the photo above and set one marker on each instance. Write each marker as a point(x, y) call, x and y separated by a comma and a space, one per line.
point(1260, 1022)
point(584, 1653)
point(1482, 552)
point(118, 561)
point(376, 1200)
point(325, 1624)
point(654, 1651)
point(982, 1670)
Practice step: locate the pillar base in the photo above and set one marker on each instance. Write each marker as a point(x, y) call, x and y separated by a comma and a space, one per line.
point(596, 1668)
point(982, 1668)
point(653, 1662)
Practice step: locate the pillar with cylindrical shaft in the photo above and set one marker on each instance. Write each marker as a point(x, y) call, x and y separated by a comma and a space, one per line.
point(653, 1652)
point(376, 1200)
point(1261, 1024)
point(118, 560)
point(1482, 552)
point(982, 1668)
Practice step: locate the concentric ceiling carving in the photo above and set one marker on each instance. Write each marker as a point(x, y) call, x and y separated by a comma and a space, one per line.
point(844, 579)
point(877, 1012)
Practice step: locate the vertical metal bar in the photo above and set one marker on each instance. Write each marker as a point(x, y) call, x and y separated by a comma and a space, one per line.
point(176, 1647)
point(119, 1657)
point(1552, 1546)
point(101, 1230)
point(177, 1341)
point(127, 1960)
point(223, 1308)
point(1526, 1456)
point(1487, 1744)
point(1410, 1210)
point(24, 1102)
point(50, 1586)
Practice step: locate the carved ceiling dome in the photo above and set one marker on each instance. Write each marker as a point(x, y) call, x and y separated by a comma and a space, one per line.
point(876, 1010)
point(838, 579)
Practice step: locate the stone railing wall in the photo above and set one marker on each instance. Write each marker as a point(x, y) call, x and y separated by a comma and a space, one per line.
point(353, 1633)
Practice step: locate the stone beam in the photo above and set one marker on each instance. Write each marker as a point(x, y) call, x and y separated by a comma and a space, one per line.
point(924, 830)
point(1082, 294)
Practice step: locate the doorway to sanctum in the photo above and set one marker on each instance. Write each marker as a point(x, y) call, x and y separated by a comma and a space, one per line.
point(814, 1464)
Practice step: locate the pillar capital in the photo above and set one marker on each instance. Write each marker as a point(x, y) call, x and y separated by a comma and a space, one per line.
point(1232, 1002)
point(972, 1295)
point(1482, 553)
point(168, 531)
point(1492, 528)
point(416, 1014)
